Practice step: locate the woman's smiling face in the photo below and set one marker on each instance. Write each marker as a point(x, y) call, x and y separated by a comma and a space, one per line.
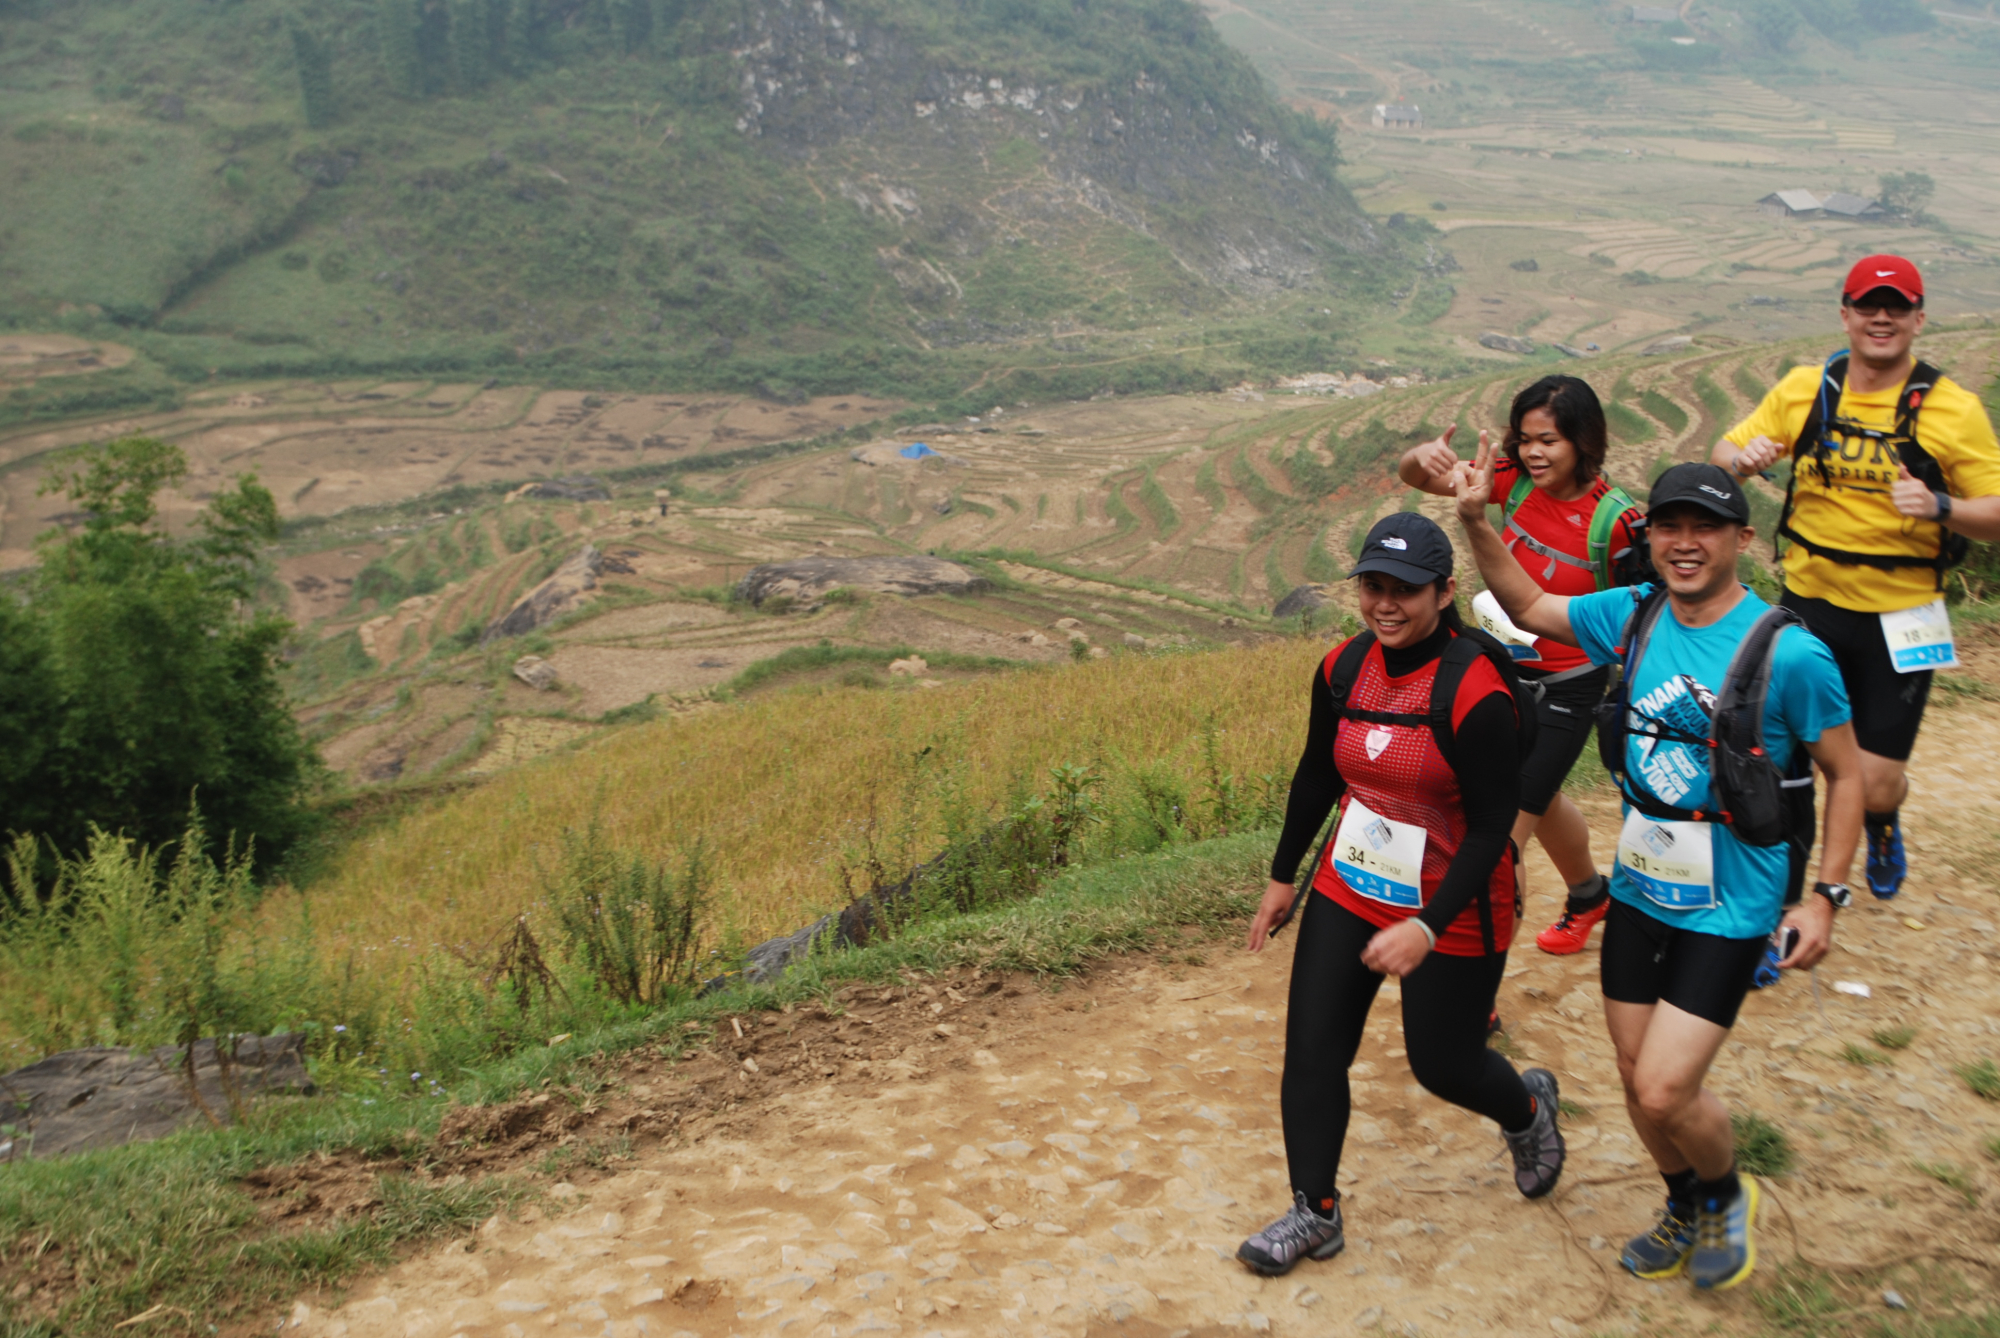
point(1398, 612)
point(1547, 455)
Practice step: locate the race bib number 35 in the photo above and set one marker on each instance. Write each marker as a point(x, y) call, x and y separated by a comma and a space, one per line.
point(1920, 638)
point(1671, 863)
point(1379, 858)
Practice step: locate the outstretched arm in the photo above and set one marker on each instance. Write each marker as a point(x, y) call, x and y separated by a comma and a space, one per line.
point(1431, 465)
point(1532, 608)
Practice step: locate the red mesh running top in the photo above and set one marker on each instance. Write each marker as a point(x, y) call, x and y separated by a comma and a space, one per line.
point(1410, 781)
point(1564, 527)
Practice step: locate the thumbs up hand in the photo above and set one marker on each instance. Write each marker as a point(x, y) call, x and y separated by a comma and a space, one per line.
point(1912, 497)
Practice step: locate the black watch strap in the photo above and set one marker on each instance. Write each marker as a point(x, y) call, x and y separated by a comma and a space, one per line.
point(1943, 506)
point(1837, 893)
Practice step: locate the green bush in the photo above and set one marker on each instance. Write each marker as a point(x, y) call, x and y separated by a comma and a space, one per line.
point(1761, 1146)
point(633, 925)
point(140, 673)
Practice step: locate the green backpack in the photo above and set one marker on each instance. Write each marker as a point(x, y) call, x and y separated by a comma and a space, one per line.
point(1608, 569)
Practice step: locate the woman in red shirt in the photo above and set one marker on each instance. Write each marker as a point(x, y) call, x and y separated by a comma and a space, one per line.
point(1553, 476)
point(1418, 882)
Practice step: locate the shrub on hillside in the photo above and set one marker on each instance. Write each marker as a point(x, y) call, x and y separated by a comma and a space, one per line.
point(138, 673)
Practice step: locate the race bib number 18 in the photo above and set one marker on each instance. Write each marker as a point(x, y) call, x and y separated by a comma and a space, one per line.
point(1920, 638)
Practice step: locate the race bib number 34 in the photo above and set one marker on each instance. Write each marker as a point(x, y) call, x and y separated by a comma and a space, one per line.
point(1379, 858)
point(1671, 863)
point(1920, 638)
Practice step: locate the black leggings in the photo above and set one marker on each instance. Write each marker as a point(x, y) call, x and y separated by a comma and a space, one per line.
point(1446, 1002)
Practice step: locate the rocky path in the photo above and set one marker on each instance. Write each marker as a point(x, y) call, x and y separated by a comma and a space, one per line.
point(1086, 1161)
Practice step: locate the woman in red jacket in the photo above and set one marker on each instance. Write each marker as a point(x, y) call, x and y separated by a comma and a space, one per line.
point(1570, 528)
point(1418, 882)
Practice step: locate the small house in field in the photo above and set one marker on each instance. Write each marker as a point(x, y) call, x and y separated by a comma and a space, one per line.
point(1790, 204)
point(1655, 14)
point(1397, 116)
point(1842, 205)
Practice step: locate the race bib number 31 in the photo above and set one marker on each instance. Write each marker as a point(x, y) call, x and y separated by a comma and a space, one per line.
point(1379, 858)
point(1920, 638)
point(1671, 863)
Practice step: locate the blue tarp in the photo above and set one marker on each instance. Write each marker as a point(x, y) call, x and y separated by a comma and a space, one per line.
point(916, 452)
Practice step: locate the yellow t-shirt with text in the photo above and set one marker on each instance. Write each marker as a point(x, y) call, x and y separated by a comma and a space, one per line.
point(1851, 508)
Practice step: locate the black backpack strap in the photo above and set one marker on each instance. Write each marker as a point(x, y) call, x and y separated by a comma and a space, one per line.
point(1614, 716)
point(1460, 654)
point(1346, 667)
point(1923, 378)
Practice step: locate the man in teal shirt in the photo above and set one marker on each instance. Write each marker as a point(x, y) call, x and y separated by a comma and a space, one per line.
point(1690, 922)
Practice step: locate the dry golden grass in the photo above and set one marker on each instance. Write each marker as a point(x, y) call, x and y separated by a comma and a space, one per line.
point(778, 788)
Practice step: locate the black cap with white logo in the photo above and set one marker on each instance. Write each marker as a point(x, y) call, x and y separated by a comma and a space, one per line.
point(1407, 546)
point(1703, 485)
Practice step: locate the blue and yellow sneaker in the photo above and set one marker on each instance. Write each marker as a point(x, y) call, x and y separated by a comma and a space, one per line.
point(1887, 865)
point(1725, 1247)
point(1662, 1251)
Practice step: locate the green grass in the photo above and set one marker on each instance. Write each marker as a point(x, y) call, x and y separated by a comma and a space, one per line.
point(1627, 423)
point(806, 659)
point(1955, 1178)
point(170, 1223)
point(1983, 1078)
point(1715, 400)
point(1665, 410)
point(1893, 1038)
point(1158, 505)
point(1748, 385)
point(1862, 1055)
point(1761, 1146)
point(1252, 484)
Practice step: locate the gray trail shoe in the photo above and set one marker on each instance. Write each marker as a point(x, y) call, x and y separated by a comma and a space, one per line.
point(1538, 1149)
point(1662, 1251)
point(1300, 1232)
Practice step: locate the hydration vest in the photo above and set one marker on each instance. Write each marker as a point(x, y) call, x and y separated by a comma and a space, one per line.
point(1760, 804)
point(1812, 448)
point(1604, 566)
point(1459, 655)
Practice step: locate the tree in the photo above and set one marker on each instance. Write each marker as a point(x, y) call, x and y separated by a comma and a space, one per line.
point(524, 36)
point(1905, 193)
point(1772, 22)
point(635, 24)
point(315, 64)
point(397, 25)
point(138, 678)
point(471, 43)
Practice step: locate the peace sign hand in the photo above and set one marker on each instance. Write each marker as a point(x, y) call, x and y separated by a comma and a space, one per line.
point(1912, 495)
point(1472, 483)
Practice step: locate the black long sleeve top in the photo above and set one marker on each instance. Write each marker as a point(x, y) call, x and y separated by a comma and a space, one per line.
point(1489, 785)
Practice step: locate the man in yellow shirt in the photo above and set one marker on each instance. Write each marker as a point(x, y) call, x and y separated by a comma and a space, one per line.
point(1894, 466)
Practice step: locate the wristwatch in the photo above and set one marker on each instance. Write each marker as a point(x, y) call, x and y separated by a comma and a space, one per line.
point(1837, 893)
point(1943, 506)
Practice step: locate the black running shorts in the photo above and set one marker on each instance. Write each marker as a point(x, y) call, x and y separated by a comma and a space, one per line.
point(1647, 961)
point(1566, 713)
point(1888, 706)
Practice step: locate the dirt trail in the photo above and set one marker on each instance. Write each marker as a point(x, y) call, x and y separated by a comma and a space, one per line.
point(1086, 1161)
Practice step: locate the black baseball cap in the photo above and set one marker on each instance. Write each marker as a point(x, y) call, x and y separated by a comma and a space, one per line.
point(1704, 485)
point(1407, 546)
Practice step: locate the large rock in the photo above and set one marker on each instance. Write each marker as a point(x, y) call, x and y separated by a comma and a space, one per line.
point(558, 595)
point(1302, 599)
point(1506, 343)
point(1671, 344)
point(806, 579)
point(107, 1096)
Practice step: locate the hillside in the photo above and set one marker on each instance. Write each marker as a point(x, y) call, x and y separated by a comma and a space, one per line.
point(659, 192)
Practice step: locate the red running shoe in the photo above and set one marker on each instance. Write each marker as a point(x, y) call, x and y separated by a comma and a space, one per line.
point(1569, 933)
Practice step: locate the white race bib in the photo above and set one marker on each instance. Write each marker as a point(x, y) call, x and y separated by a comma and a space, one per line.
point(1379, 858)
point(1920, 638)
point(1671, 863)
point(1486, 608)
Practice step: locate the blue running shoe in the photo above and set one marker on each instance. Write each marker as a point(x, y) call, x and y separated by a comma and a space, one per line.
point(1767, 972)
point(1662, 1251)
point(1886, 863)
point(1725, 1243)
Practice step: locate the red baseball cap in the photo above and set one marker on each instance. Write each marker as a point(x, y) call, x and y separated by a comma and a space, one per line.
point(1891, 272)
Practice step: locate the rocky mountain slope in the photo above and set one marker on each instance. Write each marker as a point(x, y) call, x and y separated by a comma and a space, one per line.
point(812, 195)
